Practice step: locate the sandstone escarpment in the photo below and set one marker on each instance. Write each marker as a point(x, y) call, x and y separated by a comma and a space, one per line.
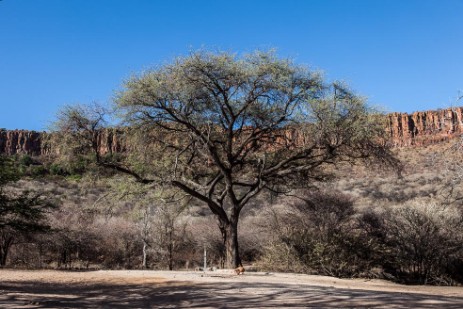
point(22, 141)
point(424, 128)
point(38, 143)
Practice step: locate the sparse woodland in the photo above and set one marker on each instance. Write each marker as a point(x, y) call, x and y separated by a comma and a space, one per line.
point(255, 159)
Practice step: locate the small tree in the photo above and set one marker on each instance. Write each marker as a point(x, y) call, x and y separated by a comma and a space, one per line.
point(145, 227)
point(225, 128)
point(20, 213)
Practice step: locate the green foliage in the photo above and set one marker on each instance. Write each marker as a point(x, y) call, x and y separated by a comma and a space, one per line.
point(38, 171)
point(78, 166)
point(21, 213)
point(57, 169)
point(75, 168)
point(8, 172)
point(24, 213)
point(26, 160)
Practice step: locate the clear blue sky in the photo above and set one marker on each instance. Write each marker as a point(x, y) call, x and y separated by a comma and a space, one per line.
point(403, 55)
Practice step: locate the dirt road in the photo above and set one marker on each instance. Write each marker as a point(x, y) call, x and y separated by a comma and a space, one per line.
point(154, 289)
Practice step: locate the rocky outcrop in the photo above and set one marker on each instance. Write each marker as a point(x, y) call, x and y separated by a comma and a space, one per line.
point(424, 128)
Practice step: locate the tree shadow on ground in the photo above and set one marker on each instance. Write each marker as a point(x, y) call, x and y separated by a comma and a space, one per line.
point(35, 294)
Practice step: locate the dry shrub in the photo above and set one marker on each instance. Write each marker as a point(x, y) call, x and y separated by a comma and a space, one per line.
point(169, 238)
point(417, 242)
point(282, 257)
point(420, 242)
point(120, 245)
point(205, 235)
point(252, 237)
point(313, 234)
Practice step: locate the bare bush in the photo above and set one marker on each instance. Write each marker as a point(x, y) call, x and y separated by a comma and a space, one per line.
point(315, 235)
point(169, 235)
point(205, 235)
point(418, 242)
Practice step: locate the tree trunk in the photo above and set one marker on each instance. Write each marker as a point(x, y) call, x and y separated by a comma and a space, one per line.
point(3, 254)
point(171, 258)
point(5, 244)
point(230, 240)
point(170, 249)
point(170, 245)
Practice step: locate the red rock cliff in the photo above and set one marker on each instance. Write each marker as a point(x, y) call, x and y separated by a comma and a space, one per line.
point(36, 143)
point(424, 128)
point(21, 141)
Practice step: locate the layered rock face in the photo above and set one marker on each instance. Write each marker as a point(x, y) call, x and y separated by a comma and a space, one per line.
point(424, 128)
point(111, 141)
point(21, 141)
point(417, 129)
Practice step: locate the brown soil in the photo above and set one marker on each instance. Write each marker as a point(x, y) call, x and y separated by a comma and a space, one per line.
point(156, 289)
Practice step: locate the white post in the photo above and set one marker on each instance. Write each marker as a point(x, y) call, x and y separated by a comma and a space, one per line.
point(205, 260)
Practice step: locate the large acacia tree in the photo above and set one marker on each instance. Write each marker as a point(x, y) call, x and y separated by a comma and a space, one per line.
point(228, 127)
point(234, 126)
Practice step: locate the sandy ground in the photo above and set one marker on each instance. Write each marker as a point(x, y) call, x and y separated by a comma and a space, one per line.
point(157, 289)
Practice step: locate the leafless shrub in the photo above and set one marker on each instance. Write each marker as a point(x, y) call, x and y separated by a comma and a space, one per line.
point(417, 242)
point(282, 257)
point(205, 235)
point(314, 235)
point(252, 237)
point(169, 235)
